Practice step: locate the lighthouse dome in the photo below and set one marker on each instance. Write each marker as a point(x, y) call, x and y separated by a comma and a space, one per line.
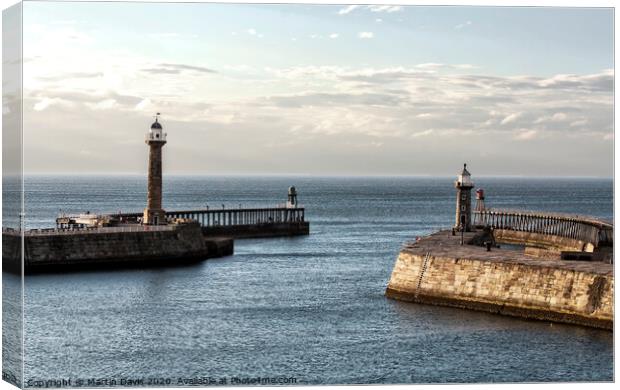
point(156, 133)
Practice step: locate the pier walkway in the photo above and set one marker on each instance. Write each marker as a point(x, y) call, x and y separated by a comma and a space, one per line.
point(588, 230)
point(240, 223)
point(232, 217)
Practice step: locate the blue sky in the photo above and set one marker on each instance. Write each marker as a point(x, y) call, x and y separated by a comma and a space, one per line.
point(507, 40)
point(337, 84)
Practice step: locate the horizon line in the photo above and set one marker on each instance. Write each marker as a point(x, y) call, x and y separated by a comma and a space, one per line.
point(335, 175)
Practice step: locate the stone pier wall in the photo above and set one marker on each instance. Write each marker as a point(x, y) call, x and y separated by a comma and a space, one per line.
point(520, 289)
point(54, 252)
point(11, 252)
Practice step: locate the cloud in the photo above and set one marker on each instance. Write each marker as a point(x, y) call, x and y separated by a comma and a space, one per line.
point(317, 99)
point(378, 76)
point(510, 118)
point(106, 104)
point(526, 135)
point(333, 35)
point(481, 103)
point(366, 35)
point(578, 123)
point(347, 9)
point(253, 32)
point(556, 117)
point(96, 100)
point(145, 103)
point(71, 75)
point(422, 133)
point(189, 67)
point(462, 25)
point(601, 81)
point(372, 8)
point(161, 71)
point(176, 69)
point(385, 8)
point(464, 66)
point(430, 65)
point(415, 111)
point(434, 66)
point(422, 105)
point(43, 104)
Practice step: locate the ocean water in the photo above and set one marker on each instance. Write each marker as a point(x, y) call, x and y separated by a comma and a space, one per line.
point(310, 308)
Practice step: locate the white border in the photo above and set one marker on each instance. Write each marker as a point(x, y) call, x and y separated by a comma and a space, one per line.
point(555, 3)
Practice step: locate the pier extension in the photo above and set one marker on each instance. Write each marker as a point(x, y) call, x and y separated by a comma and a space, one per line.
point(535, 265)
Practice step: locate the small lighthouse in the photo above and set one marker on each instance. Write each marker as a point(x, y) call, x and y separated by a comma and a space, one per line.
point(463, 185)
point(292, 198)
point(155, 139)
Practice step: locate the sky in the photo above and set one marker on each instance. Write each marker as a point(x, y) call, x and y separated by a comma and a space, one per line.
point(318, 89)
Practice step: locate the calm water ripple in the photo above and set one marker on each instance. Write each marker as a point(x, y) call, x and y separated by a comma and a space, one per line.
point(309, 307)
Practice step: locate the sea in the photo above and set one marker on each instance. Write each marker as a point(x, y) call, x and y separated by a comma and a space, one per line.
point(294, 311)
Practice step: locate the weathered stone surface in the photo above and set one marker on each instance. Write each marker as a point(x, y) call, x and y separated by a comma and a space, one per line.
point(11, 251)
point(437, 270)
point(55, 252)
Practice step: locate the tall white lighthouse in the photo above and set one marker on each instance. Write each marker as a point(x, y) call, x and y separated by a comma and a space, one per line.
point(155, 139)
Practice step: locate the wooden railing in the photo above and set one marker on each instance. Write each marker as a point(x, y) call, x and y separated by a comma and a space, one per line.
point(563, 225)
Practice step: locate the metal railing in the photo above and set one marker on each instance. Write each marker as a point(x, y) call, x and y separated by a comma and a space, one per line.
point(576, 227)
point(211, 218)
point(233, 217)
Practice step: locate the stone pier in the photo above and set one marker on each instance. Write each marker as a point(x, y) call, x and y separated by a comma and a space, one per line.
point(241, 223)
point(141, 246)
point(438, 270)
